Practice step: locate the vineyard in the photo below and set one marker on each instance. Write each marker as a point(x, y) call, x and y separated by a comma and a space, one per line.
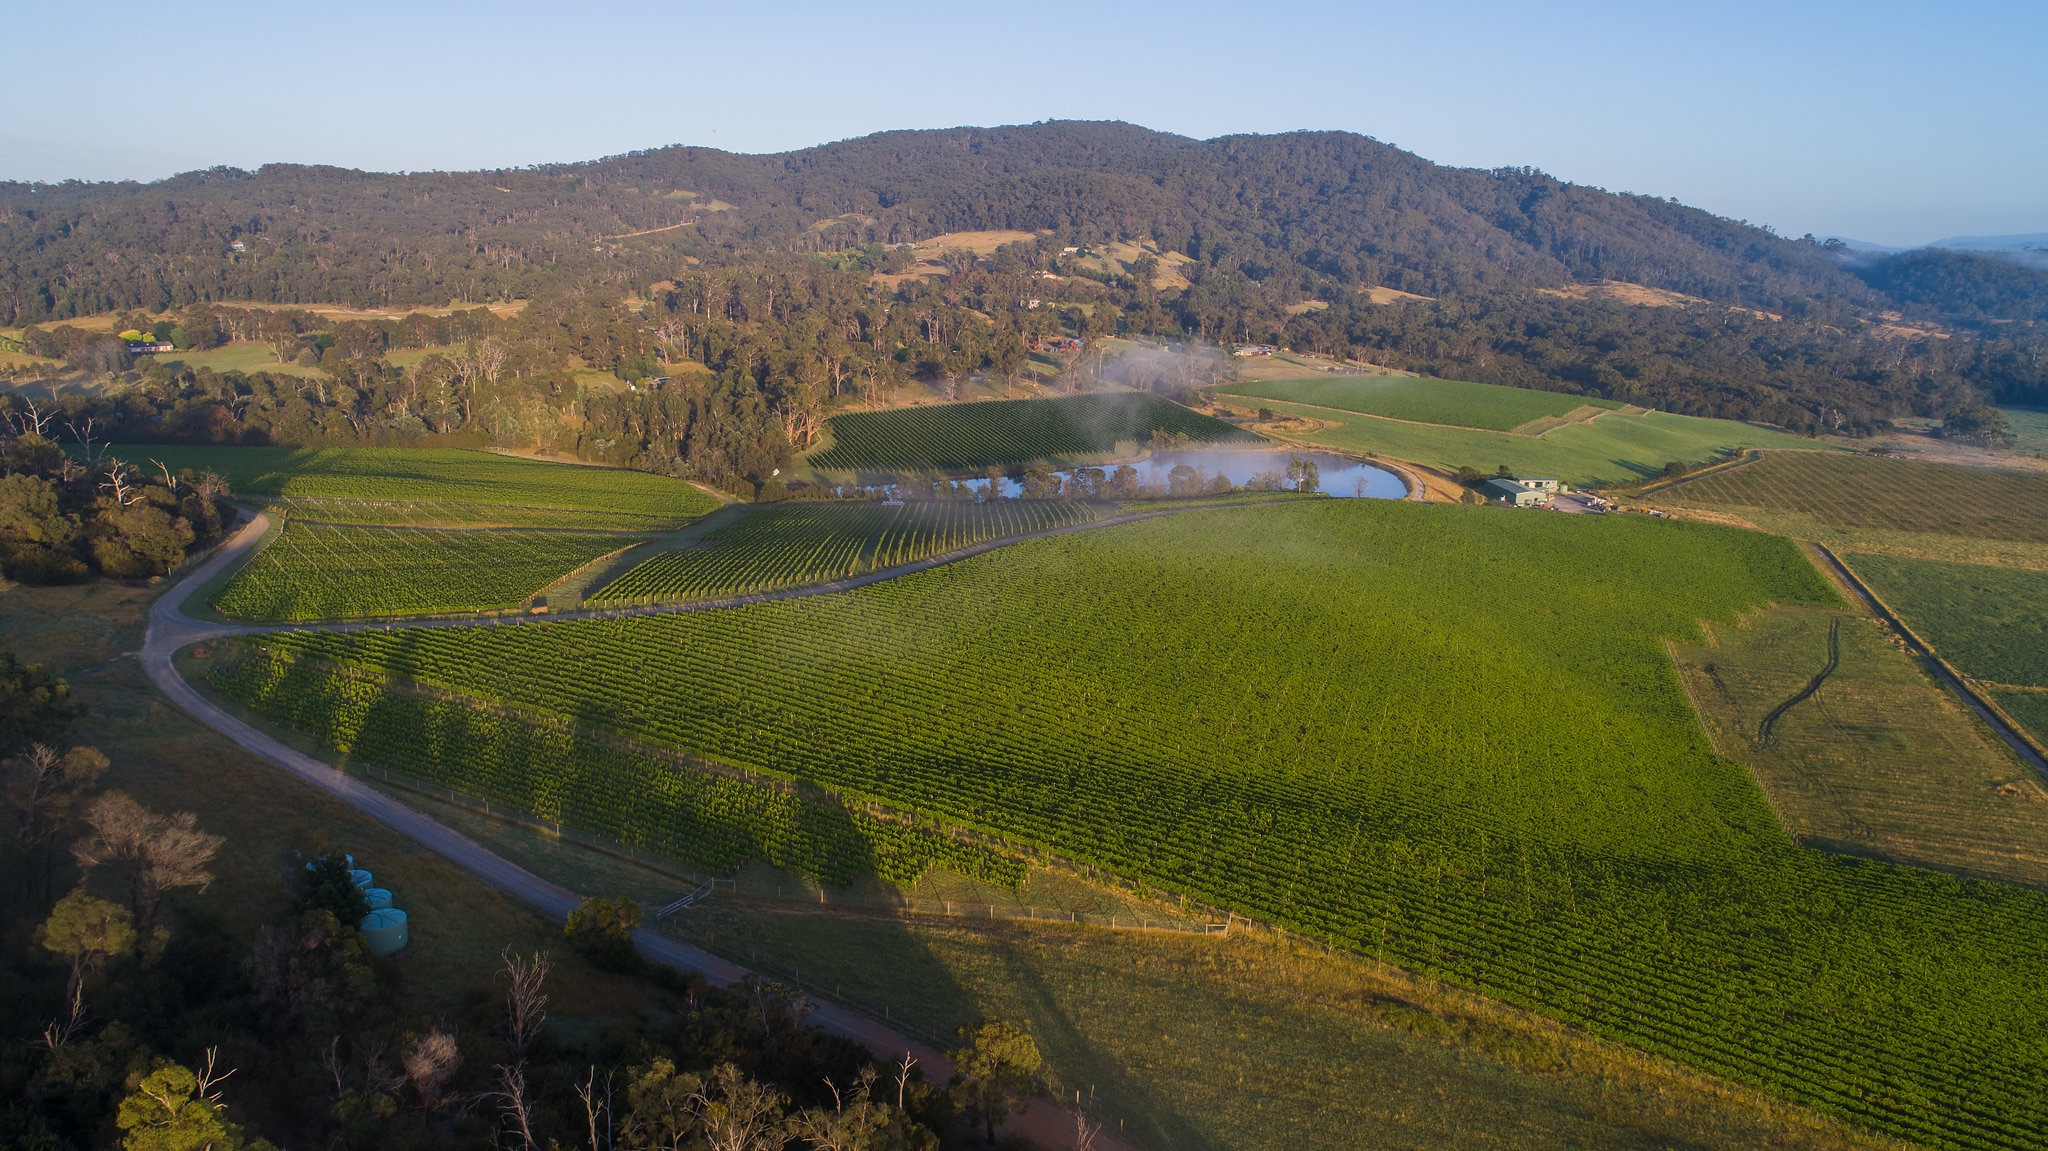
point(1504, 787)
point(792, 545)
point(542, 768)
point(1990, 622)
point(409, 485)
point(328, 571)
point(1001, 433)
point(1838, 490)
point(1429, 401)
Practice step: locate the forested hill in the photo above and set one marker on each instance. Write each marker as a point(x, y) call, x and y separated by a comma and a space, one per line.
point(1322, 208)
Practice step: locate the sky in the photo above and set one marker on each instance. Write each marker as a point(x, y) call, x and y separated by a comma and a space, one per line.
point(1886, 122)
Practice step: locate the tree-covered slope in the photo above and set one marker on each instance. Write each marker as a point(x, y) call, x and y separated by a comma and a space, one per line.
point(1331, 204)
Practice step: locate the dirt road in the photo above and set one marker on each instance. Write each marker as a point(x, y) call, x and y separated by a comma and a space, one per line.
point(1046, 1123)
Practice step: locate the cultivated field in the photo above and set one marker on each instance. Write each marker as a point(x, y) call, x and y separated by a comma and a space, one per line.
point(545, 767)
point(967, 437)
point(1878, 759)
point(1871, 504)
point(1618, 447)
point(331, 571)
point(1455, 402)
point(439, 485)
point(1990, 622)
point(2027, 708)
point(1504, 787)
point(791, 545)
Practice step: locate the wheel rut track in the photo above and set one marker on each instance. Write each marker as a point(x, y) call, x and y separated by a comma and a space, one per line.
point(1813, 685)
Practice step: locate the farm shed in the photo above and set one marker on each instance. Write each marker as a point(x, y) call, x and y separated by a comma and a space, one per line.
point(1539, 483)
point(1511, 493)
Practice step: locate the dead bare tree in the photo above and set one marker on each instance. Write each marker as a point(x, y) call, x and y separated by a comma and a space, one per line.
point(121, 482)
point(33, 421)
point(84, 435)
point(516, 1109)
point(903, 1069)
point(164, 470)
point(42, 788)
point(526, 1003)
point(597, 1110)
point(429, 1063)
point(155, 853)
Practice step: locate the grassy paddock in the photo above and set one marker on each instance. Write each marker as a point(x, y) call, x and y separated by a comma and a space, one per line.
point(1455, 402)
point(1000, 433)
point(1880, 761)
point(1615, 448)
point(1504, 786)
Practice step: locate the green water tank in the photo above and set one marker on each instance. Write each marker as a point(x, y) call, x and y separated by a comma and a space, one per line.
point(385, 931)
point(379, 897)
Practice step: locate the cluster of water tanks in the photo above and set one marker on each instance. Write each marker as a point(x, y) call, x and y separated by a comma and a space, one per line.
point(384, 928)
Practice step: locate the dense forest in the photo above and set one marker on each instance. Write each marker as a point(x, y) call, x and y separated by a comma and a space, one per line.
point(758, 292)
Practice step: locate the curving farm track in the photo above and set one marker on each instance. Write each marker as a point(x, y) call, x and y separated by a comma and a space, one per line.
point(170, 629)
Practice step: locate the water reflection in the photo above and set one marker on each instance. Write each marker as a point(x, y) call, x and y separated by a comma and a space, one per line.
point(1254, 468)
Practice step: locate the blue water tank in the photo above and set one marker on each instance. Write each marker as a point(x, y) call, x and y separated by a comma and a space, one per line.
point(380, 898)
point(361, 877)
point(385, 931)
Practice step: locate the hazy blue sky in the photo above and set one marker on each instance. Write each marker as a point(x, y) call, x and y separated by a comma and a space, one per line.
point(1885, 121)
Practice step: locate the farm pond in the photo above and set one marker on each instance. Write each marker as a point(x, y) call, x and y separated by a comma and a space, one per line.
point(1337, 475)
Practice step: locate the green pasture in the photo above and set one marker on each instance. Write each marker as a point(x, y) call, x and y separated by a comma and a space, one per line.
point(330, 571)
point(1457, 402)
point(2030, 427)
point(1990, 622)
point(1615, 448)
point(1284, 711)
point(408, 485)
point(239, 357)
point(1004, 433)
